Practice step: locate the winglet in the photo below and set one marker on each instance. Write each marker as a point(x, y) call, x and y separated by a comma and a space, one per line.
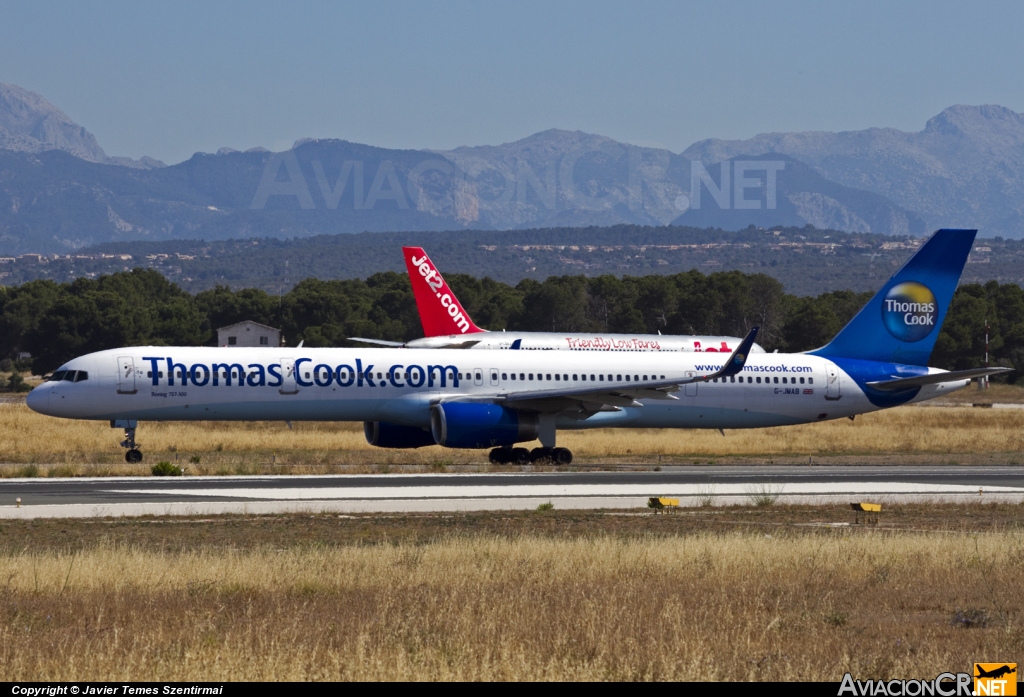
point(736, 360)
point(441, 313)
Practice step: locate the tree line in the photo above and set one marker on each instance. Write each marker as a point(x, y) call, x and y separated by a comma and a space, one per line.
point(55, 322)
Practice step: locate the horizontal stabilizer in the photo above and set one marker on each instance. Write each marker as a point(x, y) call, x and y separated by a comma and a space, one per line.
point(934, 379)
point(379, 342)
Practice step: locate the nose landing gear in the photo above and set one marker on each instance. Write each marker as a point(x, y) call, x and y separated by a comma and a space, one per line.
point(133, 455)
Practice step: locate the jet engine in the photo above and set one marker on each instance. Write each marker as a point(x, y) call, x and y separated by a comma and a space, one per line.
point(389, 435)
point(472, 425)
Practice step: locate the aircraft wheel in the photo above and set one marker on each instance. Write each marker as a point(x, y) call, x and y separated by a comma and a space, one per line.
point(500, 456)
point(562, 456)
point(133, 456)
point(520, 456)
point(540, 454)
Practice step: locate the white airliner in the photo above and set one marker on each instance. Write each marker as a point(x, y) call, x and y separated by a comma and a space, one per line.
point(497, 399)
point(446, 324)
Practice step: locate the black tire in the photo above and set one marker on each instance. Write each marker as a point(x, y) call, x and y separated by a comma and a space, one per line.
point(499, 456)
point(520, 456)
point(133, 456)
point(562, 456)
point(540, 454)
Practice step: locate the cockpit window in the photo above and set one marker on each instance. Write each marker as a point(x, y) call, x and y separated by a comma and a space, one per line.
point(57, 375)
point(70, 375)
point(82, 375)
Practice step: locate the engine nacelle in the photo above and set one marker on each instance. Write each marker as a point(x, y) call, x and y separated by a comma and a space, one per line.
point(470, 425)
point(388, 435)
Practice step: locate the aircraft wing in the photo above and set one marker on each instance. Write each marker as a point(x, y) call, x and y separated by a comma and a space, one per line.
point(607, 398)
point(933, 379)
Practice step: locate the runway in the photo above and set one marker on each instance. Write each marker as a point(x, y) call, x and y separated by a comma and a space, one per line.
point(94, 497)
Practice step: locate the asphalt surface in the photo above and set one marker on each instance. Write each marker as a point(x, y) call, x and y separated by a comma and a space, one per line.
point(683, 480)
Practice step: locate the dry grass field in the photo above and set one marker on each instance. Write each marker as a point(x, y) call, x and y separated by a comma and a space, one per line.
point(734, 603)
point(42, 446)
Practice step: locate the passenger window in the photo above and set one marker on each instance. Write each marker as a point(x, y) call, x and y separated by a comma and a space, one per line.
point(601, 378)
point(378, 376)
point(307, 376)
point(783, 381)
point(776, 381)
point(531, 376)
point(82, 375)
point(618, 377)
point(635, 378)
point(557, 376)
point(627, 378)
point(504, 376)
point(181, 374)
point(758, 381)
point(479, 376)
point(574, 377)
point(548, 376)
point(801, 381)
point(810, 381)
point(645, 377)
point(149, 373)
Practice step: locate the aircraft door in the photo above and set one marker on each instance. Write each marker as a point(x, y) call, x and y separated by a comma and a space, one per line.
point(832, 384)
point(494, 377)
point(690, 388)
point(478, 376)
point(126, 375)
point(288, 385)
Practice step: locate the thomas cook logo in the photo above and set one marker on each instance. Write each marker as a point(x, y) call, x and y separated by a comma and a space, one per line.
point(739, 359)
point(909, 311)
point(995, 679)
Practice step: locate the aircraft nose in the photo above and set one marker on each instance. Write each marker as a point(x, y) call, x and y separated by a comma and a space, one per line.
point(38, 399)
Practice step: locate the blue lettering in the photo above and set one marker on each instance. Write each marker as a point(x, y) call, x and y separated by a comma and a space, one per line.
point(274, 369)
point(298, 373)
point(327, 375)
point(257, 376)
point(394, 375)
point(171, 367)
point(344, 375)
point(417, 376)
point(444, 374)
point(192, 374)
point(229, 368)
point(364, 372)
point(155, 370)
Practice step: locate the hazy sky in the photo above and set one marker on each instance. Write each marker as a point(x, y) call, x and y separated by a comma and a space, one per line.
point(170, 79)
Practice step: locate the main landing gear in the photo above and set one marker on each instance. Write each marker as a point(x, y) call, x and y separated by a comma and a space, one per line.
point(509, 456)
point(522, 456)
point(133, 455)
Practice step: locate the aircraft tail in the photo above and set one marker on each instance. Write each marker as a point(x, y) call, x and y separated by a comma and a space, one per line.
point(901, 323)
point(441, 313)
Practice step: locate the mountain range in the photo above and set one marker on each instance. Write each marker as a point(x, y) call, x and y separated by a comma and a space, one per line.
point(59, 191)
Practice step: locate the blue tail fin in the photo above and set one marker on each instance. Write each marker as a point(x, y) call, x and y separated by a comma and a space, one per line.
point(901, 323)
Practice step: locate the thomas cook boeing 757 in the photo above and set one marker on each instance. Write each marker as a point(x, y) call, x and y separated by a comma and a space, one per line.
point(498, 399)
point(446, 324)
